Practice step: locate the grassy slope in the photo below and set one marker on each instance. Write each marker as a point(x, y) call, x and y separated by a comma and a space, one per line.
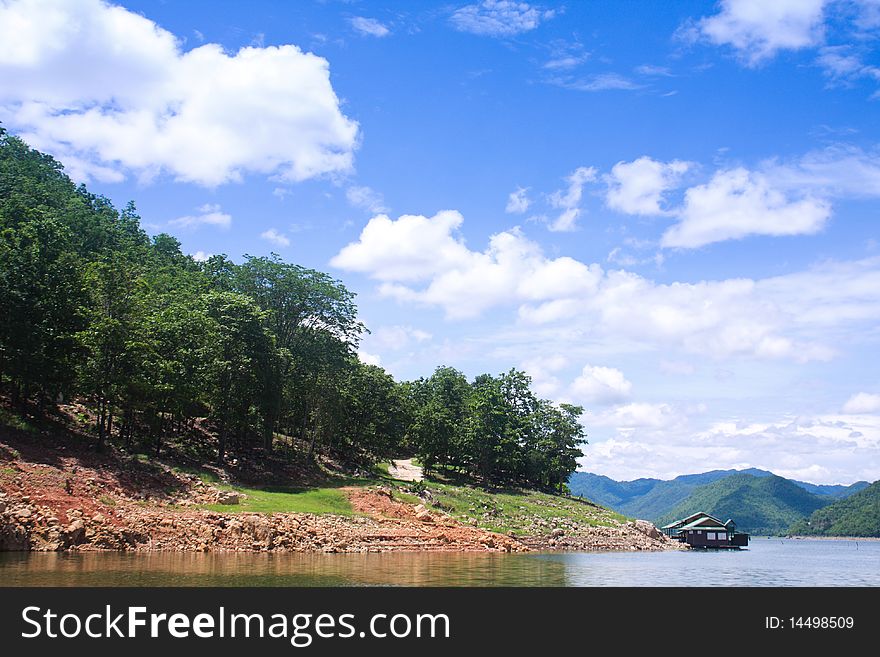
point(761, 505)
point(518, 511)
point(857, 515)
point(279, 500)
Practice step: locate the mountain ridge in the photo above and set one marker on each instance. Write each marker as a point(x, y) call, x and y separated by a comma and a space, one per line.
point(654, 499)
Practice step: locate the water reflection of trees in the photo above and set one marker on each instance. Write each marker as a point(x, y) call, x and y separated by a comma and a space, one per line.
point(246, 569)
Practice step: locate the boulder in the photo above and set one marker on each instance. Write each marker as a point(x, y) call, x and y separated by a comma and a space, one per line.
point(648, 529)
point(228, 497)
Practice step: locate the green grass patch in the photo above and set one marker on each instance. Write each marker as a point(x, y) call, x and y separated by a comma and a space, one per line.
point(381, 469)
point(106, 500)
point(8, 471)
point(519, 511)
point(280, 500)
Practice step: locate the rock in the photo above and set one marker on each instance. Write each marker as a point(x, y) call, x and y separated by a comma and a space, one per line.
point(75, 532)
point(2, 505)
point(228, 497)
point(424, 516)
point(556, 533)
point(648, 529)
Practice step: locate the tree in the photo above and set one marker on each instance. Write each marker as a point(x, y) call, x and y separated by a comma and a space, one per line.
point(242, 348)
point(112, 343)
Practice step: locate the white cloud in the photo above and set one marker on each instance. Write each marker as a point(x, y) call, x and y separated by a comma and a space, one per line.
point(518, 201)
point(862, 402)
point(366, 198)
point(147, 106)
point(412, 248)
point(369, 27)
point(637, 187)
point(600, 385)
point(499, 18)
point(569, 200)
point(821, 449)
point(272, 235)
point(545, 384)
point(201, 256)
point(736, 203)
point(424, 261)
point(637, 415)
point(397, 337)
point(843, 66)
point(569, 61)
point(757, 30)
point(208, 215)
point(838, 170)
point(598, 82)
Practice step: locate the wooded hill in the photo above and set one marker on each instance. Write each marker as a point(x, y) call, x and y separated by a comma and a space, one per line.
point(259, 352)
point(856, 515)
point(753, 497)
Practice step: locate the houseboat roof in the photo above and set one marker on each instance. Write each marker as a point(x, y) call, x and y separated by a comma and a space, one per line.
point(705, 523)
point(694, 517)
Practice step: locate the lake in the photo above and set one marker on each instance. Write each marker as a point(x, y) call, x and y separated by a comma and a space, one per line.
point(768, 562)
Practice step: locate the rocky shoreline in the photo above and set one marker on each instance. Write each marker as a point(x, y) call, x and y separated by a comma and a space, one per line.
point(56, 497)
point(27, 526)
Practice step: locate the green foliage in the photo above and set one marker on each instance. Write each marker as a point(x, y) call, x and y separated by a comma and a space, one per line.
point(152, 342)
point(494, 428)
point(856, 515)
point(760, 505)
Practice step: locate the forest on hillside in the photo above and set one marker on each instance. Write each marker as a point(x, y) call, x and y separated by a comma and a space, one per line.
point(150, 341)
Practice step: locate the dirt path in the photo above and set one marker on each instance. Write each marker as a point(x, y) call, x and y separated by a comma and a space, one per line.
point(404, 470)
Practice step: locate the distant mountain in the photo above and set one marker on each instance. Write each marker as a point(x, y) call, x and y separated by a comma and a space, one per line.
point(837, 491)
point(608, 492)
point(645, 498)
point(856, 515)
point(654, 499)
point(759, 505)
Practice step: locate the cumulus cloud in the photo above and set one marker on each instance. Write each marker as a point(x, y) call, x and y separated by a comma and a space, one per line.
point(147, 106)
point(736, 203)
point(600, 385)
point(208, 215)
point(201, 256)
point(369, 27)
point(823, 449)
point(425, 261)
point(499, 18)
point(637, 187)
point(862, 402)
point(366, 198)
point(277, 238)
point(757, 30)
point(518, 201)
point(569, 200)
point(638, 415)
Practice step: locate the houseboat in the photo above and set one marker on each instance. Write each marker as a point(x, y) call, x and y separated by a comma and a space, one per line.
point(701, 530)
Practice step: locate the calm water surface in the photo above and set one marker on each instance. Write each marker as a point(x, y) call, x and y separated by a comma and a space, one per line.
point(768, 562)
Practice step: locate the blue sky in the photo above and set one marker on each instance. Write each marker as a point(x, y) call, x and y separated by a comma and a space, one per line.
point(665, 212)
